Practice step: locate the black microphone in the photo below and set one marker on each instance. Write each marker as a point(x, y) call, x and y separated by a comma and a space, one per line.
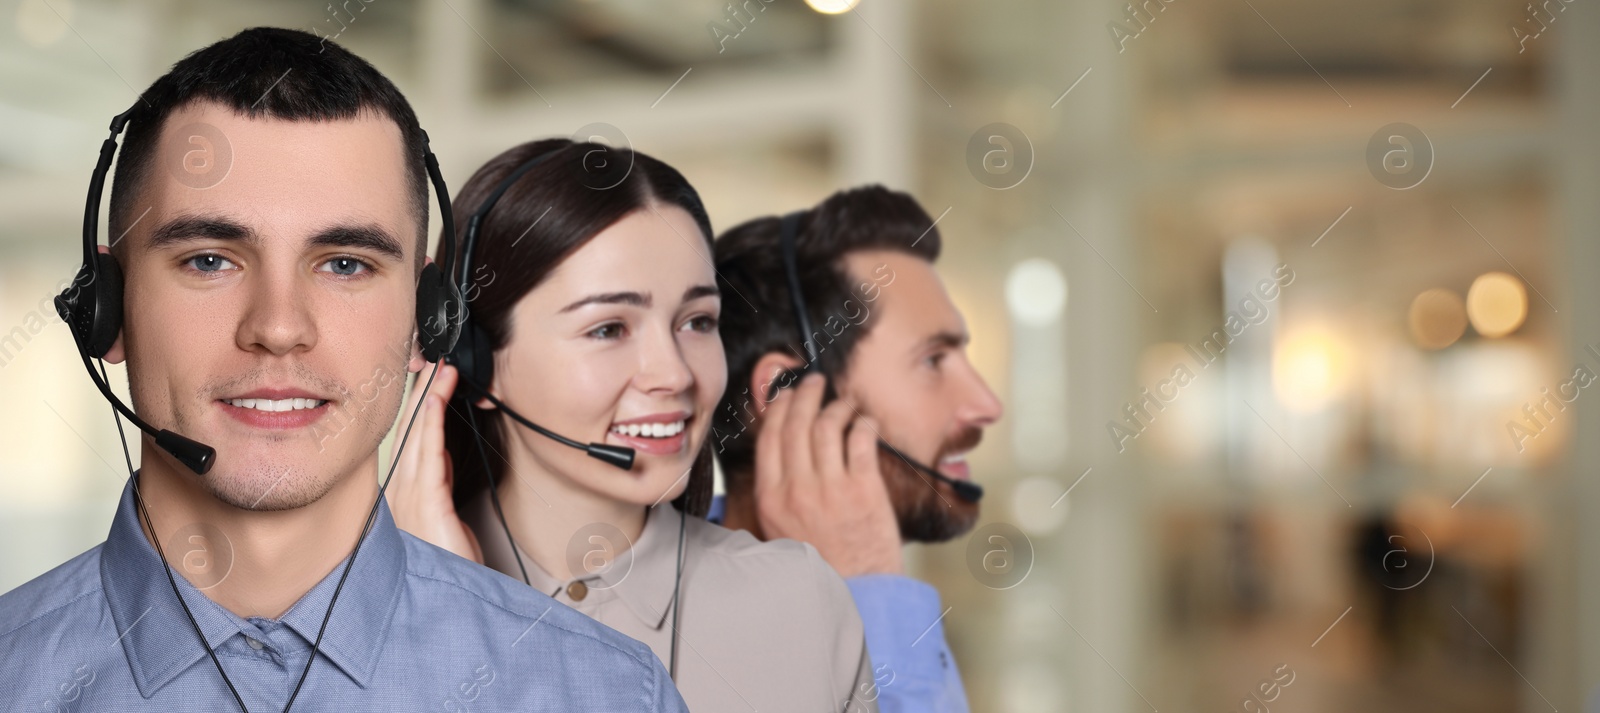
point(197, 456)
point(964, 489)
point(619, 456)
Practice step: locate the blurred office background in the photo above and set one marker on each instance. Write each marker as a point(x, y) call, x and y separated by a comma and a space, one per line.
point(1290, 302)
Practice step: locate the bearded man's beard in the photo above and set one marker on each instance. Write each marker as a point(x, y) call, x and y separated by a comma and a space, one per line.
point(929, 510)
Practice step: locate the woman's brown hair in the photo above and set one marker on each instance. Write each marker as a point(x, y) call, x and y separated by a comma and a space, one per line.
point(577, 191)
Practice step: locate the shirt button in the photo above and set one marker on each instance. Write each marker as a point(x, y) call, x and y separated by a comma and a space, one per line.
point(253, 643)
point(577, 590)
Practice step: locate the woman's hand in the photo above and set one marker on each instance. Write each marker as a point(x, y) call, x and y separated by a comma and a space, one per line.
point(419, 493)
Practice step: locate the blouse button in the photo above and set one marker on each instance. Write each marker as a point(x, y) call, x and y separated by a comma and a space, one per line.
point(577, 590)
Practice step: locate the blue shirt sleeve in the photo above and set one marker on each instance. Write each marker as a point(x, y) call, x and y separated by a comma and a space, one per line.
point(911, 664)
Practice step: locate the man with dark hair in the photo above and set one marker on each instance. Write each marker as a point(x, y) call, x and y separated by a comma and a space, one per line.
point(269, 215)
point(890, 345)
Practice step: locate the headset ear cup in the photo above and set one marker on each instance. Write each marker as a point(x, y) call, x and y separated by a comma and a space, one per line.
point(70, 307)
point(93, 311)
point(105, 300)
point(438, 314)
point(473, 358)
point(482, 356)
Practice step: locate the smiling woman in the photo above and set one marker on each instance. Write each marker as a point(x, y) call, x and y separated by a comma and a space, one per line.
point(599, 322)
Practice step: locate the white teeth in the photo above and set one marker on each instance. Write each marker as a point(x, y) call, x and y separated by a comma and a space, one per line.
point(270, 405)
point(649, 430)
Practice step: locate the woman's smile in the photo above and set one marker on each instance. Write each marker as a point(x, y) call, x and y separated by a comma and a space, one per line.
point(657, 434)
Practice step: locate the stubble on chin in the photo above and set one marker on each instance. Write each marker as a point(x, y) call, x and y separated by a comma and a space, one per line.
point(291, 471)
point(317, 459)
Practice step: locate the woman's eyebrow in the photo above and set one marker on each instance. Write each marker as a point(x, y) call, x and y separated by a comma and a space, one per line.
point(637, 299)
point(698, 291)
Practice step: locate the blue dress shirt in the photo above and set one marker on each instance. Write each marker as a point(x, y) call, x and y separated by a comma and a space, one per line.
point(912, 666)
point(416, 628)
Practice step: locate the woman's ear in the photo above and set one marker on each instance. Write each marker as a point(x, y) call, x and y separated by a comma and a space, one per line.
point(773, 371)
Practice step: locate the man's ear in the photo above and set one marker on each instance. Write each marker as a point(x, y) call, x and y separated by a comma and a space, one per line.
point(115, 355)
point(774, 370)
point(415, 364)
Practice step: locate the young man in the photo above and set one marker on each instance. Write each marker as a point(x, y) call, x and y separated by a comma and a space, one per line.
point(269, 213)
point(893, 344)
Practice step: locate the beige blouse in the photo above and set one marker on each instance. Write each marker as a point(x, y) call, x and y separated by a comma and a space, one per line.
point(765, 626)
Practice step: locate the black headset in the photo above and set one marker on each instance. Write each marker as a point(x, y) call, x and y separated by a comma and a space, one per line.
point(473, 358)
point(92, 309)
point(788, 229)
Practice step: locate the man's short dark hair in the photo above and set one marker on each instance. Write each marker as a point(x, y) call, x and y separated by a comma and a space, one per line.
point(758, 314)
point(267, 72)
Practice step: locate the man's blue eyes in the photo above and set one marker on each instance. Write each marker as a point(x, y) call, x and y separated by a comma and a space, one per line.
point(345, 266)
point(341, 266)
point(209, 263)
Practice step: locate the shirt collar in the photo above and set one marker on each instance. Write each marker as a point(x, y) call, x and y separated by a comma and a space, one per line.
point(642, 576)
point(159, 641)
